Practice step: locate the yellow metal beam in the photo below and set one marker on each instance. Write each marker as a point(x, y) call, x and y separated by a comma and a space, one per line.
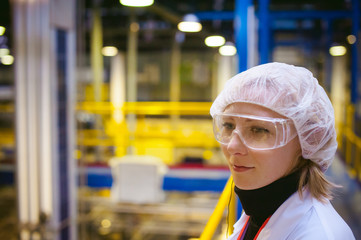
point(217, 214)
point(148, 108)
point(350, 144)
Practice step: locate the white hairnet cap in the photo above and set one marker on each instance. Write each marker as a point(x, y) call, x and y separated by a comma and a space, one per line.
point(294, 93)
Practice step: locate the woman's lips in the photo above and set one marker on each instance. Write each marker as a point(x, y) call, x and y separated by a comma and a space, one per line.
point(241, 168)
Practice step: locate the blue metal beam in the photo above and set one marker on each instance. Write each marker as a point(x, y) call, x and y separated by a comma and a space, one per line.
point(300, 14)
point(264, 34)
point(241, 30)
point(215, 15)
point(298, 42)
point(310, 14)
point(354, 52)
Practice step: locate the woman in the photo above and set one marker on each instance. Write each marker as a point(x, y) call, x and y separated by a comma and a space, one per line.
point(275, 124)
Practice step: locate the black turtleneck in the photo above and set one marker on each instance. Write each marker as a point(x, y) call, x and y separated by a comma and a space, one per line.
point(261, 203)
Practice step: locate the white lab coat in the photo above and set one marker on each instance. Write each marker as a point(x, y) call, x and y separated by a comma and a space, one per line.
point(301, 219)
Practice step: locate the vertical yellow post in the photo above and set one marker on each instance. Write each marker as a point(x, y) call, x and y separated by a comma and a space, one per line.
point(349, 129)
point(175, 85)
point(217, 214)
point(175, 72)
point(349, 117)
point(232, 213)
point(348, 150)
point(358, 159)
point(340, 132)
point(96, 55)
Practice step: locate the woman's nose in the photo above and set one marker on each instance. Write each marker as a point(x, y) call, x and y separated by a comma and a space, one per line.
point(236, 145)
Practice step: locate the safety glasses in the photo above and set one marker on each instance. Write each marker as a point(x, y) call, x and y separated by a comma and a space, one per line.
point(259, 133)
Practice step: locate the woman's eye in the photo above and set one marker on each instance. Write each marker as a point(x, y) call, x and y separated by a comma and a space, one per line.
point(259, 130)
point(228, 125)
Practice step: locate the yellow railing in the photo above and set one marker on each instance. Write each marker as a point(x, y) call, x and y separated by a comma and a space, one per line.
point(350, 144)
point(217, 215)
point(144, 134)
point(148, 108)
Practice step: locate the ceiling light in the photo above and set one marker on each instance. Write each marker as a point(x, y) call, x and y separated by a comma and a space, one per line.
point(338, 51)
point(109, 51)
point(190, 23)
point(7, 60)
point(214, 41)
point(228, 49)
point(351, 39)
point(137, 3)
point(2, 30)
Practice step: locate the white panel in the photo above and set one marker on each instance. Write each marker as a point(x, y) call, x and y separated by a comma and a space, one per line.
point(21, 117)
point(227, 66)
point(46, 129)
point(131, 172)
point(117, 86)
point(36, 126)
point(54, 156)
point(72, 164)
point(252, 41)
point(62, 14)
point(32, 67)
point(339, 83)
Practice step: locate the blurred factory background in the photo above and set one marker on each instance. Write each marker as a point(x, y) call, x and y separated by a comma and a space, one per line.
point(105, 130)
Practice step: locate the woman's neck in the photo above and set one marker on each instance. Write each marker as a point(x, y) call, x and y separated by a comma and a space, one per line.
point(263, 202)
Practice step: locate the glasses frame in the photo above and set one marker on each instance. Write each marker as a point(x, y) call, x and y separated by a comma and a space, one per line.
point(287, 125)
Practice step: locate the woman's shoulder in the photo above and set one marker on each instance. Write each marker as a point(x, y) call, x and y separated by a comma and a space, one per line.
point(321, 222)
point(324, 215)
point(302, 218)
point(307, 218)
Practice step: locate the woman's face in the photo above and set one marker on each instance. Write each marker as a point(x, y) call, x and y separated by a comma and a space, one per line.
point(252, 169)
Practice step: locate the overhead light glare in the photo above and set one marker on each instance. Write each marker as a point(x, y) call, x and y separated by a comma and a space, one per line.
point(137, 3)
point(351, 39)
point(190, 23)
point(4, 51)
point(134, 27)
point(109, 51)
point(7, 60)
point(214, 41)
point(338, 51)
point(106, 223)
point(228, 49)
point(2, 30)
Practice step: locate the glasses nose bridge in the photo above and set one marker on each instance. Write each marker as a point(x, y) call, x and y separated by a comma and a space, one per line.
point(237, 133)
point(237, 145)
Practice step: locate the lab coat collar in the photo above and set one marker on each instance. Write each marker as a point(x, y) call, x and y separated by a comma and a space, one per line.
point(288, 214)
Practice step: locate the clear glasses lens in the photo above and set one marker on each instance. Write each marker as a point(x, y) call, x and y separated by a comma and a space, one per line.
point(255, 132)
